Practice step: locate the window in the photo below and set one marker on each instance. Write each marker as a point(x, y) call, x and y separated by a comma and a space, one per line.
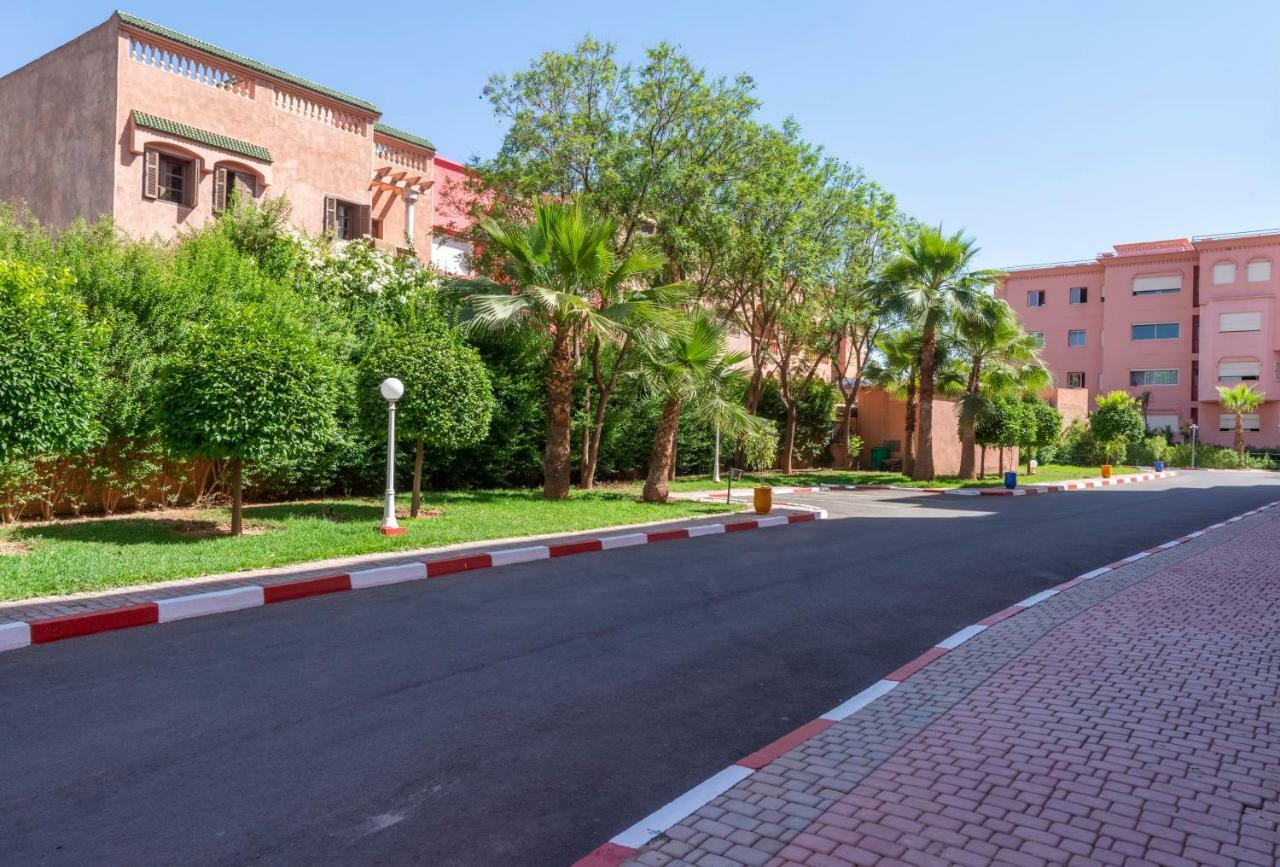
point(1239, 371)
point(1156, 331)
point(376, 229)
point(229, 184)
point(168, 178)
point(1035, 298)
point(1158, 421)
point(1166, 376)
point(1079, 295)
point(1075, 338)
point(1239, 322)
point(1227, 421)
point(1259, 271)
point(346, 220)
point(1165, 285)
point(1075, 379)
point(1223, 273)
point(1037, 336)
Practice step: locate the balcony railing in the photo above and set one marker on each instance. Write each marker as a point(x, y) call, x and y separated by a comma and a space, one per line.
point(197, 69)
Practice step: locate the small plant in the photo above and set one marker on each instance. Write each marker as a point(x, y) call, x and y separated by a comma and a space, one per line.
point(760, 447)
point(1157, 446)
point(1113, 450)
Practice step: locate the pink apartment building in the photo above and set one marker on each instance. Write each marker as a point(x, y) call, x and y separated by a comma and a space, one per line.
point(156, 129)
point(1171, 318)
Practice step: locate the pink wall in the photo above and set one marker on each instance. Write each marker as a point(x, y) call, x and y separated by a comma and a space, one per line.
point(883, 417)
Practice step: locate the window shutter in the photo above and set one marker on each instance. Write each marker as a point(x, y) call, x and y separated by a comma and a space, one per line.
point(330, 213)
point(1239, 369)
point(246, 183)
point(364, 224)
point(219, 189)
point(151, 175)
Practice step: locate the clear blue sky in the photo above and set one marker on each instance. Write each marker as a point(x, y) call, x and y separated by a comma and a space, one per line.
point(1048, 130)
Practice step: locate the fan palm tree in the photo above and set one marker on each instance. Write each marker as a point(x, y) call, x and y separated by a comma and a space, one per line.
point(937, 283)
point(1003, 360)
point(1240, 400)
point(554, 273)
point(691, 367)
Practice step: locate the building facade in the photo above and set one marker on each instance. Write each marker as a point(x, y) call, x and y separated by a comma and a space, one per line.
point(158, 130)
point(1171, 320)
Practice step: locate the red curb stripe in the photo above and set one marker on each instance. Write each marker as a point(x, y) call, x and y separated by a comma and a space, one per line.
point(999, 615)
point(74, 625)
point(739, 526)
point(799, 519)
point(784, 744)
point(436, 568)
point(568, 548)
point(306, 587)
point(916, 664)
point(668, 535)
point(608, 855)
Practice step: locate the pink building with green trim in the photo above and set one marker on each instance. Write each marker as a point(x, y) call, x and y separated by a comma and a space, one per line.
point(1173, 319)
point(157, 129)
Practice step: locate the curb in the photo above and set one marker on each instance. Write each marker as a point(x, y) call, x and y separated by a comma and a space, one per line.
point(1051, 488)
point(22, 633)
point(631, 841)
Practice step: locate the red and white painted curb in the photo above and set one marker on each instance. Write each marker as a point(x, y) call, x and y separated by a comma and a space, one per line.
point(20, 634)
point(635, 838)
point(1048, 488)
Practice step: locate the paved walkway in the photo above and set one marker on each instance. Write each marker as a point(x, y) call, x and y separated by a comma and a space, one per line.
point(1131, 720)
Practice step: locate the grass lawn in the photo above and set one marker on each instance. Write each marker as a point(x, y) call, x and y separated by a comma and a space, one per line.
point(74, 556)
point(806, 478)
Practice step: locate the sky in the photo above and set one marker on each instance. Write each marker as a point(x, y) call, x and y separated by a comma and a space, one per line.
point(1047, 130)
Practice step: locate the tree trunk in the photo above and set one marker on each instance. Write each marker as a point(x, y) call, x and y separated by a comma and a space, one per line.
point(909, 431)
point(1001, 461)
point(237, 501)
point(968, 440)
point(555, 464)
point(675, 451)
point(655, 484)
point(415, 502)
point(715, 463)
point(923, 470)
point(789, 439)
point(1240, 437)
point(846, 432)
point(585, 471)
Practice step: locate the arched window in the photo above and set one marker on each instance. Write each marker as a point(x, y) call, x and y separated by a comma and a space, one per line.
point(231, 180)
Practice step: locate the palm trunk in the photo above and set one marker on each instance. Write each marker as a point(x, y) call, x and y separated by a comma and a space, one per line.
point(923, 470)
point(555, 464)
point(909, 430)
point(968, 444)
point(1240, 437)
point(675, 452)
point(660, 458)
point(237, 497)
point(415, 502)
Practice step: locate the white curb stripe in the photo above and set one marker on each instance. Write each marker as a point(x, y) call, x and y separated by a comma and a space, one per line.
point(1037, 599)
point(1134, 557)
point(608, 543)
point(705, 530)
point(961, 637)
point(962, 492)
point(1095, 573)
point(388, 575)
point(520, 555)
point(14, 636)
point(663, 818)
point(774, 521)
point(1170, 544)
point(1196, 535)
point(859, 701)
point(215, 602)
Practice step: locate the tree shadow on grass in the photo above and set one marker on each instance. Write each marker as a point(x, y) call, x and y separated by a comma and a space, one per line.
point(131, 531)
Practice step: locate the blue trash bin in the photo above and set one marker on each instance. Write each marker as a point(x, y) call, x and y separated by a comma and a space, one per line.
point(1159, 466)
point(1011, 480)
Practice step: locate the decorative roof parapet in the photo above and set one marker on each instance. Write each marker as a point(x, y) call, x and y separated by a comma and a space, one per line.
point(212, 139)
point(401, 135)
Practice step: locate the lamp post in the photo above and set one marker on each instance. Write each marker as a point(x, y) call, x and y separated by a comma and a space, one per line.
point(391, 390)
point(1194, 428)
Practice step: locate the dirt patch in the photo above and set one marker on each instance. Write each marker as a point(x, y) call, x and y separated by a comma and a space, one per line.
point(403, 514)
point(216, 529)
point(10, 548)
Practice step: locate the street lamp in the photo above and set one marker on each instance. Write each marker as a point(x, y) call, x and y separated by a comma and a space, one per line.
point(391, 390)
point(1194, 428)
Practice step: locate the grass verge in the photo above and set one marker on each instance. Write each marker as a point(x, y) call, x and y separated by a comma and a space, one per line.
point(75, 556)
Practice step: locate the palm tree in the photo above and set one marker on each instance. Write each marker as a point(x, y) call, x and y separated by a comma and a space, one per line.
point(1240, 400)
point(1002, 360)
point(554, 271)
point(691, 367)
point(937, 283)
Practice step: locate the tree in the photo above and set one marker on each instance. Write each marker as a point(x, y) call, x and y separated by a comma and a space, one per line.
point(448, 401)
point(896, 370)
point(935, 276)
point(551, 271)
point(1003, 360)
point(1117, 423)
point(251, 382)
point(1003, 423)
point(49, 364)
point(691, 366)
point(1042, 427)
point(1240, 400)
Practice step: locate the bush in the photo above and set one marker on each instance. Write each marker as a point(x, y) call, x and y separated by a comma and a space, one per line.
point(815, 413)
point(1117, 419)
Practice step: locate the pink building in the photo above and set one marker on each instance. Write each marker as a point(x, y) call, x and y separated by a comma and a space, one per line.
point(1174, 319)
point(157, 129)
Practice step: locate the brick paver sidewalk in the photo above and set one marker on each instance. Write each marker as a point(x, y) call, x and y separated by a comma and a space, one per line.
point(1131, 720)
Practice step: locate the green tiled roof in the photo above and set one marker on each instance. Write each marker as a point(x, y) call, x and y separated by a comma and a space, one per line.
point(392, 132)
point(212, 139)
point(190, 42)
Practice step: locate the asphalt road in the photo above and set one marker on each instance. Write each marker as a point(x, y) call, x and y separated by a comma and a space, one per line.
point(524, 715)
